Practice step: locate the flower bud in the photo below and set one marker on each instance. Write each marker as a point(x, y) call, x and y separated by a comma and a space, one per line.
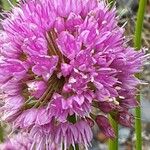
point(105, 127)
point(125, 118)
point(106, 107)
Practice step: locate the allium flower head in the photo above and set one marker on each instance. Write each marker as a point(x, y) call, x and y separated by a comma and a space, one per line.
point(59, 59)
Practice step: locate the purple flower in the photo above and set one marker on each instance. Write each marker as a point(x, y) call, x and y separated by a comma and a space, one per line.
point(106, 107)
point(36, 88)
point(16, 142)
point(57, 59)
point(125, 118)
point(103, 124)
point(68, 134)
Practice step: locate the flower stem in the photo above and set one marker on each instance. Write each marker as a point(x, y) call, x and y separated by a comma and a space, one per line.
point(137, 45)
point(1, 134)
point(76, 147)
point(113, 143)
point(139, 24)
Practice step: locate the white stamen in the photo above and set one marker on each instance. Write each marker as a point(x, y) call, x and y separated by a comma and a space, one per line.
point(116, 102)
point(76, 70)
point(121, 97)
point(72, 80)
point(104, 22)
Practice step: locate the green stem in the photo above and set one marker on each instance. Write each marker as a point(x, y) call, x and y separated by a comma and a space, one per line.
point(139, 24)
point(1, 134)
point(113, 143)
point(137, 45)
point(138, 127)
point(76, 147)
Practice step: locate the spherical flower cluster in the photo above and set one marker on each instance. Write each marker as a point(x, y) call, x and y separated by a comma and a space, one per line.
point(58, 60)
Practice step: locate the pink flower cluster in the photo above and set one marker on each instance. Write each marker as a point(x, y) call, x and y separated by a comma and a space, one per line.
point(58, 60)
